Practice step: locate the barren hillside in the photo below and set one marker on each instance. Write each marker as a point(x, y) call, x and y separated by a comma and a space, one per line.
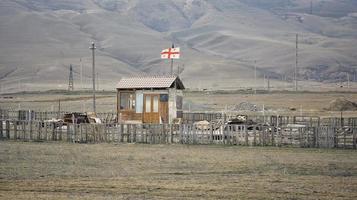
point(220, 40)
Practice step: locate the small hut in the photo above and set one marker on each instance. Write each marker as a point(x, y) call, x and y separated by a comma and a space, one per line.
point(149, 99)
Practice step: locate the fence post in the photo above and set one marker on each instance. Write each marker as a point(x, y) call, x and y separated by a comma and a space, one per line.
point(23, 126)
point(211, 133)
point(15, 129)
point(317, 137)
point(45, 126)
point(1, 129)
point(121, 133)
point(255, 135)
point(128, 139)
point(118, 129)
point(194, 137)
point(80, 133)
point(31, 130)
point(134, 133)
point(68, 132)
point(344, 138)
point(172, 126)
point(181, 133)
point(7, 129)
point(335, 137)
point(272, 131)
point(246, 135)
point(143, 133)
point(86, 133)
point(75, 126)
point(39, 124)
point(354, 137)
point(53, 127)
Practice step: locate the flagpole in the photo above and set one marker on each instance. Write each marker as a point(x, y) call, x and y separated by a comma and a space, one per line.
point(172, 62)
point(172, 66)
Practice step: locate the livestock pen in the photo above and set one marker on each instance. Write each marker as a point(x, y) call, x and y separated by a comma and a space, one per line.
point(322, 136)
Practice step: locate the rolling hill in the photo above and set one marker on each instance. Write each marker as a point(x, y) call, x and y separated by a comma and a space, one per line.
point(221, 41)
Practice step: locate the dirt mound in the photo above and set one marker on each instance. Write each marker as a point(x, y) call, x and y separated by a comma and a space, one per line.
point(342, 104)
point(246, 106)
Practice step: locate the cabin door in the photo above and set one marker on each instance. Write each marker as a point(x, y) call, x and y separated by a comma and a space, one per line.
point(151, 108)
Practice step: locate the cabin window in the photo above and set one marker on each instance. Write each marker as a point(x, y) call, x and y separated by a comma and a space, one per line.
point(147, 104)
point(139, 102)
point(164, 97)
point(179, 102)
point(156, 104)
point(127, 101)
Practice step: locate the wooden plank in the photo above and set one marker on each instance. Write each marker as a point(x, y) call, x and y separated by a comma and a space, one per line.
point(172, 127)
point(317, 137)
point(344, 138)
point(354, 131)
point(121, 133)
point(30, 130)
point(246, 136)
point(272, 132)
point(7, 129)
point(86, 133)
point(15, 123)
point(39, 124)
point(1, 129)
point(254, 136)
point(134, 133)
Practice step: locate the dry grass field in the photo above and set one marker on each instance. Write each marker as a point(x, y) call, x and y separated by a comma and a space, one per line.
point(136, 171)
point(276, 103)
point(305, 103)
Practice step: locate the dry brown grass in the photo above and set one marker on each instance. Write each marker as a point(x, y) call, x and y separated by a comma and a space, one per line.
point(136, 171)
point(312, 103)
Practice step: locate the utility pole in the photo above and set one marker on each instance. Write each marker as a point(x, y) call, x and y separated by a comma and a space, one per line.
point(348, 80)
point(59, 109)
point(255, 77)
point(70, 81)
point(97, 81)
point(93, 73)
point(311, 7)
point(81, 73)
point(296, 62)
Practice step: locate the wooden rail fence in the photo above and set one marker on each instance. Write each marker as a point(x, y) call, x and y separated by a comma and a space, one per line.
point(308, 137)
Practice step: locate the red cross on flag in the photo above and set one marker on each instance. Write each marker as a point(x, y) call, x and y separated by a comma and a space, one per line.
point(171, 53)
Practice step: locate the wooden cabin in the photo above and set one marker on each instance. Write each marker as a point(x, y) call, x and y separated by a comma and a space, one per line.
point(149, 99)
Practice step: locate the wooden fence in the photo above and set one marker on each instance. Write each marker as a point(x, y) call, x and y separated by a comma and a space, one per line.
point(272, 120)
point(316, 137)
point(192, 117)
point(29, 115)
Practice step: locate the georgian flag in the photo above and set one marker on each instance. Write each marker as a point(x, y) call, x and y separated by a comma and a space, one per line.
point(171, 53)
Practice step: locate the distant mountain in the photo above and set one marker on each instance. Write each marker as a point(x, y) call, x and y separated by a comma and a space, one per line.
point(221, 40)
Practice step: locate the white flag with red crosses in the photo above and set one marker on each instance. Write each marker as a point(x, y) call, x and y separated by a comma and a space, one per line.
point(171, 53)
